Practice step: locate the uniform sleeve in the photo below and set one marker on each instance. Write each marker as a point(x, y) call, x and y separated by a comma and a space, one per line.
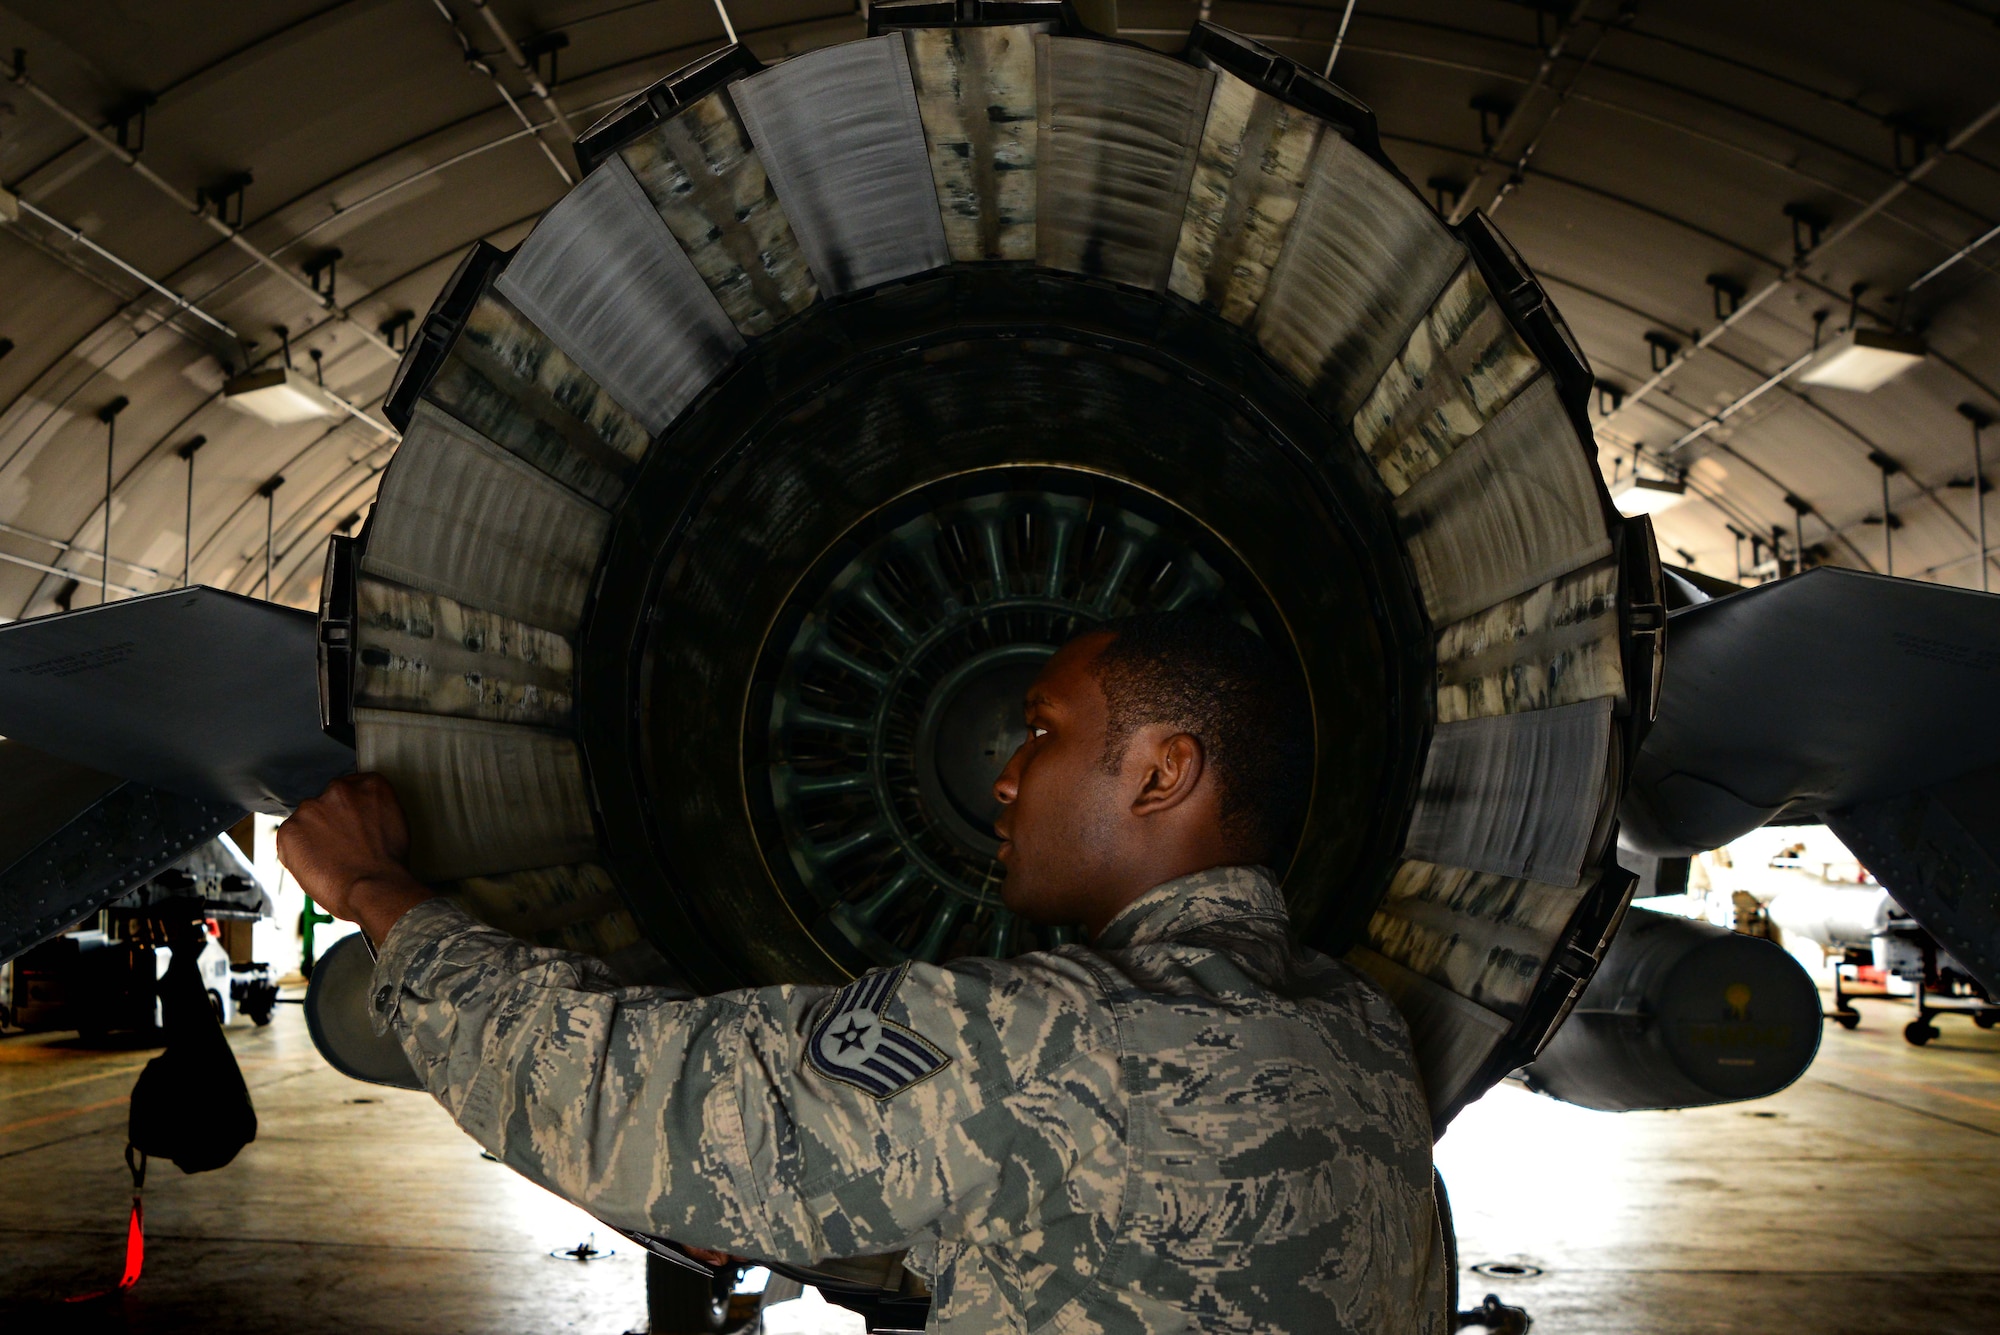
point(786, 1123)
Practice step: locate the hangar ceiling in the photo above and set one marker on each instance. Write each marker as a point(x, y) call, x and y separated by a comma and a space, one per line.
point(1705, 188)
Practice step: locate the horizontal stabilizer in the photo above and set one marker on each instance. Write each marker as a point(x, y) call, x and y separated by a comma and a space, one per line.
point(1937, 851)
point(1819, 691)
point(197, 692)
point(73, 840)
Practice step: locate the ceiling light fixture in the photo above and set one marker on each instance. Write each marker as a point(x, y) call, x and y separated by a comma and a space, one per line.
point(1863, 360)
point(281, 397)
point(1648, 495)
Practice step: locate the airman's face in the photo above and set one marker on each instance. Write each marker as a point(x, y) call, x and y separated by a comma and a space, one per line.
point(1058, 805)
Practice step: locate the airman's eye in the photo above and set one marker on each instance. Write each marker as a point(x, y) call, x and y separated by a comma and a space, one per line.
point(1037, 732)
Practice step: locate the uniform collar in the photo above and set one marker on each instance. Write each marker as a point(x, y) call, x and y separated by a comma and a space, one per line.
point(1179, 907)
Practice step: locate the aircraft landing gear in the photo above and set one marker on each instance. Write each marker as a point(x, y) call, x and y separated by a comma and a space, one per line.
point(1494, 1317)
point(681, 1302)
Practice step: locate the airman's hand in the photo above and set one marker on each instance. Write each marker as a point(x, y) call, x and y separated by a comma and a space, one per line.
point(349, 848)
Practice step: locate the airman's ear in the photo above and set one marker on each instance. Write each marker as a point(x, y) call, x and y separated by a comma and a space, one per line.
point(1174, 764)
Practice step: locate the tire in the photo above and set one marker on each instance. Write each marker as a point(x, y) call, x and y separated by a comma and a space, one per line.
point(680, 1302)
point(1918, 1033)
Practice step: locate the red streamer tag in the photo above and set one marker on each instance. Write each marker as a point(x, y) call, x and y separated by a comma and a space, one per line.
point(135, 1245)
point(135, 1255)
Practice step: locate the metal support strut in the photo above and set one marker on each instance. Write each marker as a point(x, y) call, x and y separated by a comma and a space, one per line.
point(108, 415)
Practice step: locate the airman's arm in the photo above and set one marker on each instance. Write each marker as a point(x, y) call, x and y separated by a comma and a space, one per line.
point(783, 1123)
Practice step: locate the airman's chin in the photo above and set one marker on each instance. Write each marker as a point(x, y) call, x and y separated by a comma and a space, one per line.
point(1017, 897)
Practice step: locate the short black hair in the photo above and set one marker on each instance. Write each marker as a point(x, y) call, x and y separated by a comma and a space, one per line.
point(1220, 682)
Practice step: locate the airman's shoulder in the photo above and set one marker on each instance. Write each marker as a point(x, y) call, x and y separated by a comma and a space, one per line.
point(1036, 1012)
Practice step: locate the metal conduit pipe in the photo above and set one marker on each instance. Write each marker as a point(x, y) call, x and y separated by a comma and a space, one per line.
point(645, 60)
point(339, 211)
point(19, 75)
point(1777, 164)
point(1339, 36)
point(521, 63)
point(1550, 55)
point(152, 451)
point(1520, 169)
point(477, 63)
point(1740, 402)
point(1730, 507)
point(181, 303)
point(1842, 535)
point(1964, 252)
point(62, 573)
point(76, 549)
point(334, 216)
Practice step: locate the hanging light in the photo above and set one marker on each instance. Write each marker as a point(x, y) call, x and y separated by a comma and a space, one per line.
point(1648, 495)
point(1863, 360)
point(280, 396)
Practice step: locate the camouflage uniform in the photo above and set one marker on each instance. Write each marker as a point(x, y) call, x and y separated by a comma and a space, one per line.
point(1194, 1126)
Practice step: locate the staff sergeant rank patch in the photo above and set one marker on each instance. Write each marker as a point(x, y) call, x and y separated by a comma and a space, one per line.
point(853, 1044)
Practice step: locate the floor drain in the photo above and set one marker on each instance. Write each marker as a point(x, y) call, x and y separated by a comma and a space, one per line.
point(587, 1250)
point(1506, 1270)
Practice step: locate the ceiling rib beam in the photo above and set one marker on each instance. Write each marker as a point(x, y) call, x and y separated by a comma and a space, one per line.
point(19, 75)
point(1665, 122)
point(1680, 90)
point(1787, 272)
point(1815, 254)
point(1654, 118)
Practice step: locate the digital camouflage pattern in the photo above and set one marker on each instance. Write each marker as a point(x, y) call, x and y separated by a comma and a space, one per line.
point(1194, 1126)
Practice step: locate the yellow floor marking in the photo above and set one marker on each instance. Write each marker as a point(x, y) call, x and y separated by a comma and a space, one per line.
point(125, 1069)
point(1874, 1073)
point(46, 1118)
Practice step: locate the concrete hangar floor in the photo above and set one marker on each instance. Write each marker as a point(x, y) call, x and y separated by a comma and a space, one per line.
point(1864, 1198)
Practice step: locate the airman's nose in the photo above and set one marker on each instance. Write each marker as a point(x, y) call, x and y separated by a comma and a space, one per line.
point(1008, 786)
